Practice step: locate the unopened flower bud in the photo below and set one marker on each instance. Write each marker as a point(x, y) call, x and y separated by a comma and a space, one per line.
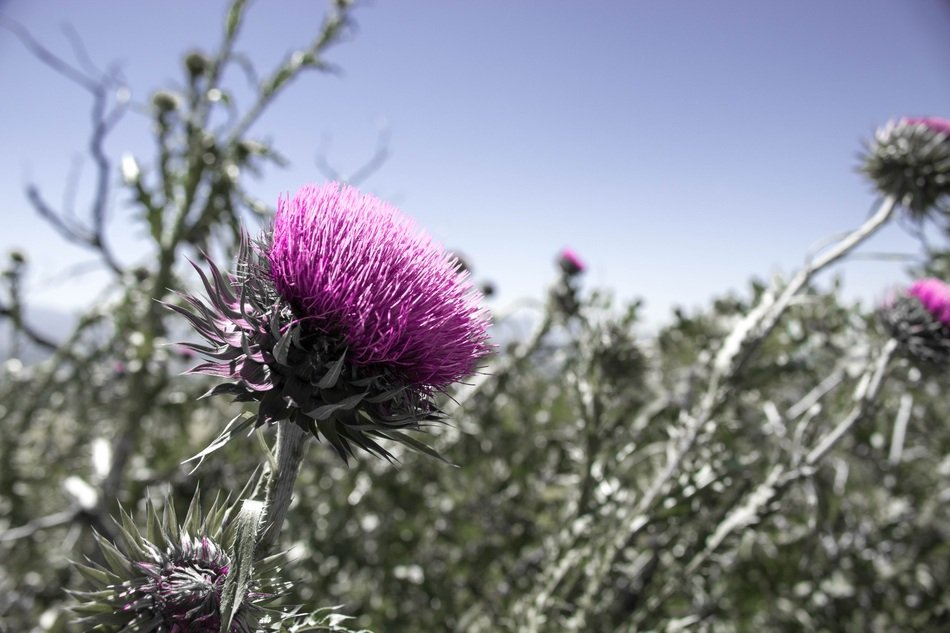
point(164, 101)
point(197, 64)
point(171, 578)
point(910, 160)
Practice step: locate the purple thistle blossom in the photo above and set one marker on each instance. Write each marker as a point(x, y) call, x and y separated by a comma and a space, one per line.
point(570, 262)
point(352, 265)
point(934, 295)
point(344, 319)
point(919, 318)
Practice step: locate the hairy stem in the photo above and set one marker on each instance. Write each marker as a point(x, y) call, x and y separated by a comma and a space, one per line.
point(291, 442)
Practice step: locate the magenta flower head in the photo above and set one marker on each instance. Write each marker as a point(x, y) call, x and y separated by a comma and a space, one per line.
point(919, 319)
point(570, 263)
point(910, 160)
point(344, 319)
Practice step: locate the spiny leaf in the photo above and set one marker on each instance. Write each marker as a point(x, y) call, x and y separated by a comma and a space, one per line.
point(333, 373)
point(324, 412)
point(242, 561)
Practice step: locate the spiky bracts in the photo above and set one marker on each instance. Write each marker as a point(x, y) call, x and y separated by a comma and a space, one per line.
point(920, 321)
point(171, 579)
point(910, 160)
point(344, 320)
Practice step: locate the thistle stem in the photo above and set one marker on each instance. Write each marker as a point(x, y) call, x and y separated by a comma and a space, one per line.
point(291, 441)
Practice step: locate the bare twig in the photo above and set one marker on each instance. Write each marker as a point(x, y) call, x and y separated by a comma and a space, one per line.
point(364, 171)
point(29, 331)
point(40, 523)
point(104, 120)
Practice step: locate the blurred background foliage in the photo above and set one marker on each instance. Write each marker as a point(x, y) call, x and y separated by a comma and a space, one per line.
point(556, 441)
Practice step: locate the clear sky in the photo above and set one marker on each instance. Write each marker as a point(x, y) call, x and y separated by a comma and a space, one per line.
point(679, 147)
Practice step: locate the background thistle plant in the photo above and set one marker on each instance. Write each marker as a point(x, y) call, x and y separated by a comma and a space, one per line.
point(919, 318)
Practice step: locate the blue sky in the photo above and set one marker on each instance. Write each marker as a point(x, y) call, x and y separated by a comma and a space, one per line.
point(679, 147)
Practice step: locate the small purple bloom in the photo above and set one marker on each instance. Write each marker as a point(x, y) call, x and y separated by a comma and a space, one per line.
point(934, 295)
point(570, 262)
point(919, 319)
point(352, 265)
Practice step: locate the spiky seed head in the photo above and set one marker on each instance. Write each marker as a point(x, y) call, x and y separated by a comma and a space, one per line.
point(910, 160)
point(343, 318)
point(919, 318)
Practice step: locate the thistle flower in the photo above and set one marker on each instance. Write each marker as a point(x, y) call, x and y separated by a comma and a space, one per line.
point(172, 578)
point(920, 321)
point(910, 159)
point(570, 263)
point(343, 319)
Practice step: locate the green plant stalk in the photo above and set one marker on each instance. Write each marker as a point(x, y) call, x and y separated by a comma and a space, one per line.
point(291, 445)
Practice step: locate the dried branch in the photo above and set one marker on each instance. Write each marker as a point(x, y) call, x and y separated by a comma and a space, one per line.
point(364, 171)
point(28, 330)
point(104, 120)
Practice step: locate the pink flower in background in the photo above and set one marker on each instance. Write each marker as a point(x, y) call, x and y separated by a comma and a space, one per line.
point(570, 262)
point(934, 295)
point(352, 265)
point(933, 123)
point(919, 319)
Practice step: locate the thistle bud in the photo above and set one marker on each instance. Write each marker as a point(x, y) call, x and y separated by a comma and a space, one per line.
point(171, 577)
point(910, 160)
point(197, 64)
point(164, 102)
